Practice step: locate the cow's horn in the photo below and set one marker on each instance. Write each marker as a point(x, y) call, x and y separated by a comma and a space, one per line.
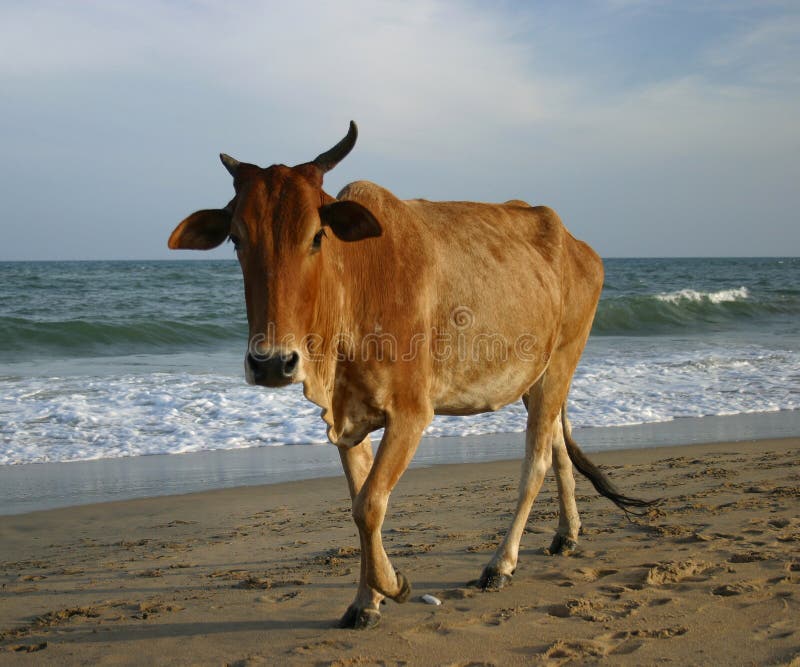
point(231, 164)
point(329, 159)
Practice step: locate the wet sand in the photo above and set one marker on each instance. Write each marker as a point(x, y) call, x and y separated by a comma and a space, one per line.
point(259, 575)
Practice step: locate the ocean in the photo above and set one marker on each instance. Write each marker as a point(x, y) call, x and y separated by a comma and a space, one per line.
point(100, 360)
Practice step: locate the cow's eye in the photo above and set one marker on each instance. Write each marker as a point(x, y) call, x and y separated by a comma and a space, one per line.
point(316, 244)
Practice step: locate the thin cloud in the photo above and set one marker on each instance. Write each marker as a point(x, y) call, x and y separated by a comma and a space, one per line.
point(765, 55)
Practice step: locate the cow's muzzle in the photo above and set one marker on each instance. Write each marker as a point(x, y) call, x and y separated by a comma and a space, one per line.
point(275, 369)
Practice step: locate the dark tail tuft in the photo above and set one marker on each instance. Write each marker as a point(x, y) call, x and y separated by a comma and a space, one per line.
point(597, 477)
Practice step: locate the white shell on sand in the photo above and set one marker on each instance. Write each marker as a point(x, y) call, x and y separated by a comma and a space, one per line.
point(429, 599)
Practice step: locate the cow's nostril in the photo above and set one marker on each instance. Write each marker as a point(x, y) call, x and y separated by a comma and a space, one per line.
point(290, 364)
point(252, 362)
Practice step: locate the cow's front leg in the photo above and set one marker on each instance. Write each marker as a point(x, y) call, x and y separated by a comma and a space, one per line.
point(363, 613)
point(396, 450)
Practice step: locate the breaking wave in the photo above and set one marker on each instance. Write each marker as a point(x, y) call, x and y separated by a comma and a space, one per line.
point(688, 309)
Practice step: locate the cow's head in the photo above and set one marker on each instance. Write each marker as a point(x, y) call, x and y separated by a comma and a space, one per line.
point(284, 228)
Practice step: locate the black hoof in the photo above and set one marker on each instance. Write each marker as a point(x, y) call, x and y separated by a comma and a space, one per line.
point(405, 588)
point(493, 581)
point(561, 545)
point(359, 619)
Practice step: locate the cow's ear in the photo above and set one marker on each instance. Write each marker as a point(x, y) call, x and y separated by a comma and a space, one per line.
point(349, 220)
point(202, 230)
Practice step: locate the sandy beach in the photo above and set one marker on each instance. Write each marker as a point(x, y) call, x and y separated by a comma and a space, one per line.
point(259, 575)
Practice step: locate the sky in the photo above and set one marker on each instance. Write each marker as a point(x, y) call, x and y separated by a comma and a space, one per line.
point(654, 128)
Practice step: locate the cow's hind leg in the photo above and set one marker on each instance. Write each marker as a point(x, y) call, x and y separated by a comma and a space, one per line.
point(542, 420)
point(363, 612)
point(378, 577)
point(569, 523)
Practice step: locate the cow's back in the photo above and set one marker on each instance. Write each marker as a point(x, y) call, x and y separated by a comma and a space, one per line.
point(489, 280)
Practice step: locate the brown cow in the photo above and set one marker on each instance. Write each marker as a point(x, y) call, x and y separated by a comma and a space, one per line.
point(391, 311)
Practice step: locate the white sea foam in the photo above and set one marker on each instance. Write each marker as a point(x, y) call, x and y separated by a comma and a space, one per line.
point(721, 296)
point(135, 411)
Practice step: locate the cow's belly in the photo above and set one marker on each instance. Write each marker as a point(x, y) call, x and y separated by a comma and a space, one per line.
point(496, 328)
point(468, 392)
point(496, 356)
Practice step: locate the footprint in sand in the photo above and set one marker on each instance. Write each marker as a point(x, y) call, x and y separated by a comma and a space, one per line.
point(27, 648)
point(502, 615)
point(456, 594)
point(660, 602)
point(592, 574)
point(278, 597)
point(585, 608)
point(728, 590)
point(614, 591)
point(575, 651)
point(147, 609)
point(777, 630)
point(748, 557)
point(671, 572)
point(627, 642)
point(50, 620)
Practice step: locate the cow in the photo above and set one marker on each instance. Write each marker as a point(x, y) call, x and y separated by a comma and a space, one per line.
point(390, 311)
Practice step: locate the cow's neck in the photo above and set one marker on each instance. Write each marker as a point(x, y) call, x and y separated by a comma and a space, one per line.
point(344, 315)
point(331, 324)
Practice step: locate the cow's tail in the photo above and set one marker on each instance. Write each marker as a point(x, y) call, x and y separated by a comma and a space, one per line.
point(597, 477)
